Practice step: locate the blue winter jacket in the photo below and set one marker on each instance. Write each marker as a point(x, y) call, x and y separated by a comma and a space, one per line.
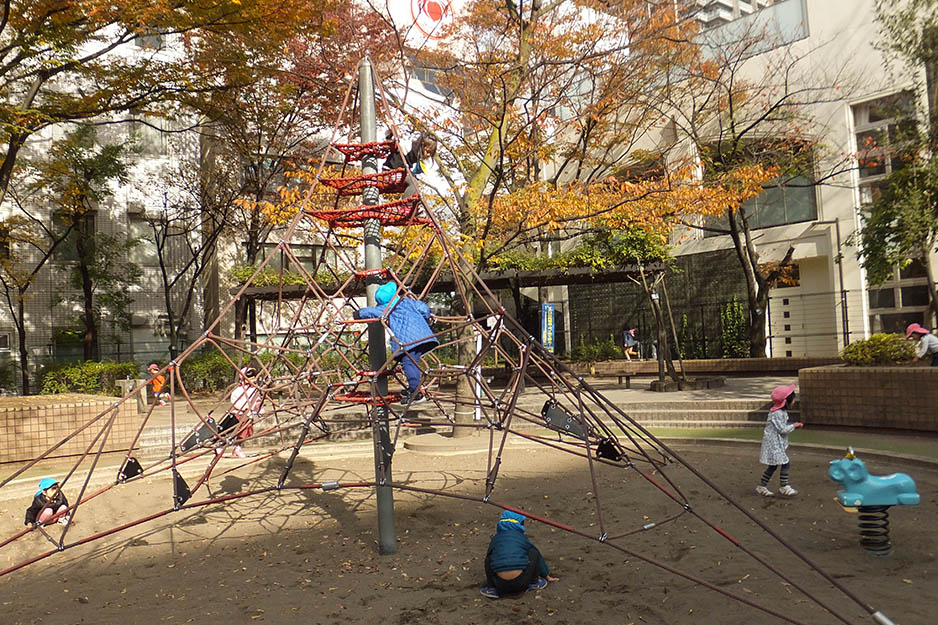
point(508, 550)
point(407, 321)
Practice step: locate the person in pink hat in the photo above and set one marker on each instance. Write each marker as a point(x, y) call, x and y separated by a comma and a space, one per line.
point(927, 343)
point(774, 452)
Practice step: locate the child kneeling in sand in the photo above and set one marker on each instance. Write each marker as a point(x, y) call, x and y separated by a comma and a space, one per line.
point(48, 502)
point(513, 564)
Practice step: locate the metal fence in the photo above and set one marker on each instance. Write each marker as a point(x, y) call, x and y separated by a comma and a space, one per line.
point(797, 324)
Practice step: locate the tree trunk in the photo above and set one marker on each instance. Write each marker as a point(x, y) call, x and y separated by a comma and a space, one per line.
point(757, 317)
point(757, 291)
point(464, 408)
point(21, 338)
point(90, 338)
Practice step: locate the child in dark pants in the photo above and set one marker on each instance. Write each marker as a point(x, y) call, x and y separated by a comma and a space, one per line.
point(411, 336)
point(48, 502)
point(513, 564)
point(774, 452)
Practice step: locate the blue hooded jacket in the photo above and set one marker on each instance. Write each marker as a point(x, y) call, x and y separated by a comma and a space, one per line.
point(407, 318)
point(508, 549)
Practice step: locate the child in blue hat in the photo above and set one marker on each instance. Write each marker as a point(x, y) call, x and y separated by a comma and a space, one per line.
point(411, 336)
point(513, 564)
point(48, 502)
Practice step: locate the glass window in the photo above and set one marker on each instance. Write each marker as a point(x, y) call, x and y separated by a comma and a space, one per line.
point(882, 298)
point(914, 269)
point(898, 322)
point(915, 295)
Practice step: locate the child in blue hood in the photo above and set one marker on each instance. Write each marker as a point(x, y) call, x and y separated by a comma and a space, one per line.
point(411, 336)
point(48, 502)
point(513, 564)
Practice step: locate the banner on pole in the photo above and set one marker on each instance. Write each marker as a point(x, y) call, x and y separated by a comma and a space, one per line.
point(547, 326)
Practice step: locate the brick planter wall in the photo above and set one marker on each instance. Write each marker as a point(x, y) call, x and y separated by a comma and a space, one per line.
point(31, 425)
point(886, 397)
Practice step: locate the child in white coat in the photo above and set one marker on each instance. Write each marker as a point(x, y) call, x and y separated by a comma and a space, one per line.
point(774, 452)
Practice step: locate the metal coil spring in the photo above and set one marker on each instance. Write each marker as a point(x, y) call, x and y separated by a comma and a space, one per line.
point(874, 529)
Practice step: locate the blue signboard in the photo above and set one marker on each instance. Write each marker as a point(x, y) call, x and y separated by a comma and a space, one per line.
point(547, 326)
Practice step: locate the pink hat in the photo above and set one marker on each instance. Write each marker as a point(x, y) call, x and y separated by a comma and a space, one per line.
point(915, 328)
point(780, 394)
point(153, 367)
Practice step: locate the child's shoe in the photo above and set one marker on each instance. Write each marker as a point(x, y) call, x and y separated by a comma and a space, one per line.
point(787, 490)
point(765, 492)
point(237, 452)
point(540, 583)
point(62, 520)
point(490, 591)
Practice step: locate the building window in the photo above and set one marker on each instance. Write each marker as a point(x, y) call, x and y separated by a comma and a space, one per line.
point(149, 131)
point(4, 341)
point(901, 300)
point(309, 256)
point(152, 40)
point(787, 200)
point(881, 128)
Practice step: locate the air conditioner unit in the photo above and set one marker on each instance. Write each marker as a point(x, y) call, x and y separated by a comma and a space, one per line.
point(135, 208)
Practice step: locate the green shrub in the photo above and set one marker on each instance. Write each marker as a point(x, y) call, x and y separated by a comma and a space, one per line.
point(879, 349)
point(596, 351)
point(95, 378)
point(207, 370)
point(735, 332)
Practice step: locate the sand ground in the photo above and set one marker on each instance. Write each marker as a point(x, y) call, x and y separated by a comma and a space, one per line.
point(311, 556)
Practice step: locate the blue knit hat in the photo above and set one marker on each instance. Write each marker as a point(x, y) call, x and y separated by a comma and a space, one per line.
point(511, 521)
point(46, 482)
point(385, 292)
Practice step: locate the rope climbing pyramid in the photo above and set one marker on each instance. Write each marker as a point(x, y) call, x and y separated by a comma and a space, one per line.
point(316, 367)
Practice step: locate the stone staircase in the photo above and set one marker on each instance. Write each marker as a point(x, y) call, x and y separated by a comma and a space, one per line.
point(716, 413)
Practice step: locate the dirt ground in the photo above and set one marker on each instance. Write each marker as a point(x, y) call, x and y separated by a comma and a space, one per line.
point(311, 556)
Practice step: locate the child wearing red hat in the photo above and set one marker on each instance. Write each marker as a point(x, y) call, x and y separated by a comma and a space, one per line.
point(775, 442)
point(927, 343)
point(157, 383)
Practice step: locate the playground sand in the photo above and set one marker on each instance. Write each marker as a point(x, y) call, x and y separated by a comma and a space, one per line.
point(310, 556)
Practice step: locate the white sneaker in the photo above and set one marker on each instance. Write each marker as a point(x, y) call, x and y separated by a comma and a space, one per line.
point(765, 492)
point(62, 520)
point(787, 490)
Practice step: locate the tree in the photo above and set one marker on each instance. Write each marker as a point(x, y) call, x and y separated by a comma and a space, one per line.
point(743, 110)
point(103, 275)
point(78, 60)
point(271, 123)
point(75, 178)
point(909, 36)
point(27, 244)
point(901, 224)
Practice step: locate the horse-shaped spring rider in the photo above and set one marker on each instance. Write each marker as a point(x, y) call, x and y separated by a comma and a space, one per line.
point(872, 496)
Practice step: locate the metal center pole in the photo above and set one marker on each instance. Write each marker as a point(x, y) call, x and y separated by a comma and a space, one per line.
point(377, 355)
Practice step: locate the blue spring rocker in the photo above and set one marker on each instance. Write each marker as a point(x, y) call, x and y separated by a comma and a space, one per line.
point(871, 496)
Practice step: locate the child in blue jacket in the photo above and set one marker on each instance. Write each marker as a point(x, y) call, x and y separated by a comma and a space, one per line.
point(513, 564)
point(411, 336)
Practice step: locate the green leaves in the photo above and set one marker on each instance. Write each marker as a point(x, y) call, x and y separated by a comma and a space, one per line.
point(902, 224)
point(879, 349)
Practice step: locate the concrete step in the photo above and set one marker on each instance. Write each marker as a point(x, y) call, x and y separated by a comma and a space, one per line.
point(756, 416)
point(704, 404)
point(699, 424)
